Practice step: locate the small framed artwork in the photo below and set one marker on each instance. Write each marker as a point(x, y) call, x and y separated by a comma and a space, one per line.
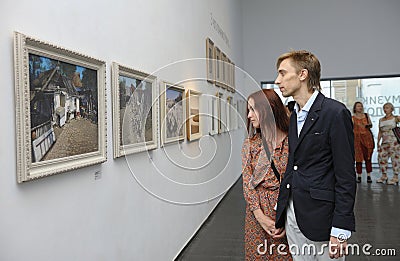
point(233, 77)
point(229, 113)
point(218, 67)
point(134, 111)
point(193, 121)
point(210, 60)
point(229, 75)
point(224, 114)
point(234, 115)
point(172, 113)
point(224, 70)
point(60, 109)
point(219, 115)
point(213, 114)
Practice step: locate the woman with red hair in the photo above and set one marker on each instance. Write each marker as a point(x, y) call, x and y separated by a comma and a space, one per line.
point(267, 126)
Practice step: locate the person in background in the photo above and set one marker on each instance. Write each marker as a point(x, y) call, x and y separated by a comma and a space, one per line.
point(267, 124)
point(388, 146)
point(363, 140)
point(317, 192)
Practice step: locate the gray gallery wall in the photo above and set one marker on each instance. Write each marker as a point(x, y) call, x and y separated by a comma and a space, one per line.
point(73, 216)
point(351, 38)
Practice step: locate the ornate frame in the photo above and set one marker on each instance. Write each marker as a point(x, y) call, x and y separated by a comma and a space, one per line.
point(34, 143)
point(165, 86)
point(121, 148)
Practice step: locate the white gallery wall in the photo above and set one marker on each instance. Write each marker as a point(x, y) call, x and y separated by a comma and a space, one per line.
point(351, 38)
point(76, 216)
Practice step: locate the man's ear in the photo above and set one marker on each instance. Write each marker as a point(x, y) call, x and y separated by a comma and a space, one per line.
point(303, 74)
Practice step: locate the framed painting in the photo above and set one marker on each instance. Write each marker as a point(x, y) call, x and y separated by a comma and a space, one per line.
point(218, 67)
point(210, 60)
point(60, 109)
point(233, 78)
point(233, 115)
point(213, 114)
point(224, 70)
point(219, 109)
point(172, 113)
point(228, 66)
point(229, 113)
point(134, 111)
point(193, 121)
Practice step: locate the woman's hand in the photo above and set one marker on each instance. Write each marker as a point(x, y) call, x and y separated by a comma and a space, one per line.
point(279, 232)
point(266, 222)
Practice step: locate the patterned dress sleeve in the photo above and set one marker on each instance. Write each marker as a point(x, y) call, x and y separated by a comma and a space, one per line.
point(250, 194)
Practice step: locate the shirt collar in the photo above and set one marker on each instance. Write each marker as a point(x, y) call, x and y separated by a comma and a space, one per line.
point(308, 104)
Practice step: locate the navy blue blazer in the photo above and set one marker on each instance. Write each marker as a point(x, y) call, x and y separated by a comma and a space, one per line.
point(320, 173)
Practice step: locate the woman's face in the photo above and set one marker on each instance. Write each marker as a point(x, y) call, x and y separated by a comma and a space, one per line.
point(387, 109)
point(359, 108)
point(253, 115)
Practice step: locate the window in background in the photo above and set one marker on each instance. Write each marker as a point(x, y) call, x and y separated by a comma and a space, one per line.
point(372, 92)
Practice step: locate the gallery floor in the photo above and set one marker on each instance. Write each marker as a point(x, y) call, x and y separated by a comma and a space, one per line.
point(377, 211)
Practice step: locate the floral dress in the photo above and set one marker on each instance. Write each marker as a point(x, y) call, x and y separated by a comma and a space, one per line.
point(389, 148)
point(261, 189)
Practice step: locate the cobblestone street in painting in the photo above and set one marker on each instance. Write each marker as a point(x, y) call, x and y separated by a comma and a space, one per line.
point(78, 136)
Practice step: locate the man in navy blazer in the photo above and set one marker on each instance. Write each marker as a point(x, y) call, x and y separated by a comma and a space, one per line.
point(317, 192)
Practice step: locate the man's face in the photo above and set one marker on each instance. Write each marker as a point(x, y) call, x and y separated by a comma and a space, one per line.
point(288, 79)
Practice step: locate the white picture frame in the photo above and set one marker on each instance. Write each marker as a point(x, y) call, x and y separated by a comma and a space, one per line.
point(60, 98)
point(193, 112)
point(135, 107)
point(173, 113)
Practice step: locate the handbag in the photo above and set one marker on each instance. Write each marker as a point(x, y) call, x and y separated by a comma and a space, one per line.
point(396, 131)
point(277, 175)
point(369, 128)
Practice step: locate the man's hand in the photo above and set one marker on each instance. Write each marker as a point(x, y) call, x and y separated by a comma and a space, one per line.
point(337, 247)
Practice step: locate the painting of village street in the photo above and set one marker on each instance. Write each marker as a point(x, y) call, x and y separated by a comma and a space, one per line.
point(63, 109)
point(174, 114)
point(135, 99)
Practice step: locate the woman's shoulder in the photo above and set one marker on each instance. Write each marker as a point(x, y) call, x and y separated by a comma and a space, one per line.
point(252, 141)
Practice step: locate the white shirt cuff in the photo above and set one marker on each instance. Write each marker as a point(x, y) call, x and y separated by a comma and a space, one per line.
point(340, 233)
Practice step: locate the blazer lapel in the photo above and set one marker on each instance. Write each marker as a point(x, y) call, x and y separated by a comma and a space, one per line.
point(312, 117)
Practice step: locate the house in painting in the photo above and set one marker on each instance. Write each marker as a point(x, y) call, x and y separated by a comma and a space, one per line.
point(55, 99)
